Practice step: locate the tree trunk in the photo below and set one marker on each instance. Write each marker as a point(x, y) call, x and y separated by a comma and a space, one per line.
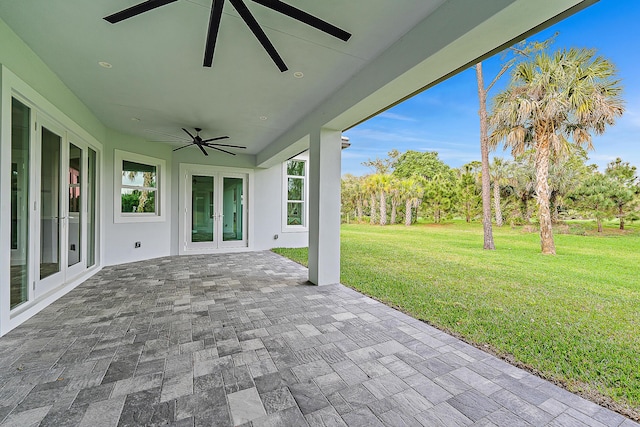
point(359, 210)
point(527, 210)
point(372, 214)
point(468, 212)
point(394, 206)
point(621, 218)
point(554, 211)
point(383, 208)
point(599, 222)
point(484, 150)
point(542, 190)
point(407, 212)
point(496, 203)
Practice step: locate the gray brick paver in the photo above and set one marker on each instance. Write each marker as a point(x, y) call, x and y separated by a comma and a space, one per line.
point(175, 340)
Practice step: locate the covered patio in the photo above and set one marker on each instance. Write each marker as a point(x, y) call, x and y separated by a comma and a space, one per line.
point(244, 339)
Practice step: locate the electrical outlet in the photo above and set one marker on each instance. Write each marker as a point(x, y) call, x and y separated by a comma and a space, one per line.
point(137, 244)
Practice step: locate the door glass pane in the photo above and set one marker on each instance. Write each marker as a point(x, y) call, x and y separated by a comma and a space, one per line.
point(20, 129)
point(91, 208)
point(202, 209)
point(75, 211)
point(50, 204)
point(232, 201)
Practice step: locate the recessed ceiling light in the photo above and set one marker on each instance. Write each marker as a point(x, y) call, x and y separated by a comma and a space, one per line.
point(104, 64)
point(298, 74)
point(263, 118)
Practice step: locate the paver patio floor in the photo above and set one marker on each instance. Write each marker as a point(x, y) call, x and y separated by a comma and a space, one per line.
point(242, 339)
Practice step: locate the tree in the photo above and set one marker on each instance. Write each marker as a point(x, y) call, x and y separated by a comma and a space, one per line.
point(440, 192)
point(520, 50)
point(594, 196)
point(565, 174)
point(383, 166)
point(395, 193)
point(522, 182)
point(551, 99)
point(499, 176)
point(352, 196)
point(371, 189)
point(468, 190)
point(382, 184)
point(484, 153)
point(412, 190)
point(625, 187)
point(415, 163)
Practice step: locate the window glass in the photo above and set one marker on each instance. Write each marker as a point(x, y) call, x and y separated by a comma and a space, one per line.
point(294, 213)
point(138, 192)
point(139, 188)
point(295, 190)
point(295, 167)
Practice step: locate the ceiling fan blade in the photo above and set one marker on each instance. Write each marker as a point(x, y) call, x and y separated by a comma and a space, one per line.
point(202, 149)
point(184, 146)
point(225, 145)
point(253, 25)
point(136, 10)
point(216, 139)
point(212, 33)
point(189, 133)
point(224, 151)
point(306, 18)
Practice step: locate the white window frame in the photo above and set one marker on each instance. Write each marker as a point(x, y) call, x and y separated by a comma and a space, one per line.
point(123, 217)
point(305, 196)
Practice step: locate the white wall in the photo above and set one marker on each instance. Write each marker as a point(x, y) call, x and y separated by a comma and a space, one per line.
point(269, 202)
point(119, 238)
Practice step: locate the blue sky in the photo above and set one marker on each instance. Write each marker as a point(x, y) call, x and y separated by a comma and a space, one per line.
point(444, 118)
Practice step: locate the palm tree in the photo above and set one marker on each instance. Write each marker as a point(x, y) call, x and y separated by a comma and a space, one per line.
point(521, 181)
point(370, 188)
point(412, 191)
point(550, 100)
point(499, 176)
point(395, 193)
point(382, 184)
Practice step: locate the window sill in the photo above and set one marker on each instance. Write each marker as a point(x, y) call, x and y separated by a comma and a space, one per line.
point(122, 219)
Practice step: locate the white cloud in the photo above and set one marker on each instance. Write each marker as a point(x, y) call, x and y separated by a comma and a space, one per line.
point(394, 116)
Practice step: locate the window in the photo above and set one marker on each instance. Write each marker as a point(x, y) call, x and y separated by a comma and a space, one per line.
point(296, 193)
point(138, 187)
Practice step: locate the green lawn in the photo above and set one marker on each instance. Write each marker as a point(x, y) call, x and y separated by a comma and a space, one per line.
point(573, 317)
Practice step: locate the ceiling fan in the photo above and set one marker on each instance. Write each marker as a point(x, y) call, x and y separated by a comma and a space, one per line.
point(208, 143)
point(247, 17)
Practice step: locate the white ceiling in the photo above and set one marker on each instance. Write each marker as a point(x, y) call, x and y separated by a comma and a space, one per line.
point(157, 73)
point(158, 78)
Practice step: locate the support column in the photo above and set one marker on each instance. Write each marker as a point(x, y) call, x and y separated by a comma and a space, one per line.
point(324, 206)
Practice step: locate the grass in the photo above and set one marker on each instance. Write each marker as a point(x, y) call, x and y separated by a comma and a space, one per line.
point(573, 318)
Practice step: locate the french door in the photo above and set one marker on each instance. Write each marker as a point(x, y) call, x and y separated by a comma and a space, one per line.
point(53, 210)
point(49, 209)
point(214, 214)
